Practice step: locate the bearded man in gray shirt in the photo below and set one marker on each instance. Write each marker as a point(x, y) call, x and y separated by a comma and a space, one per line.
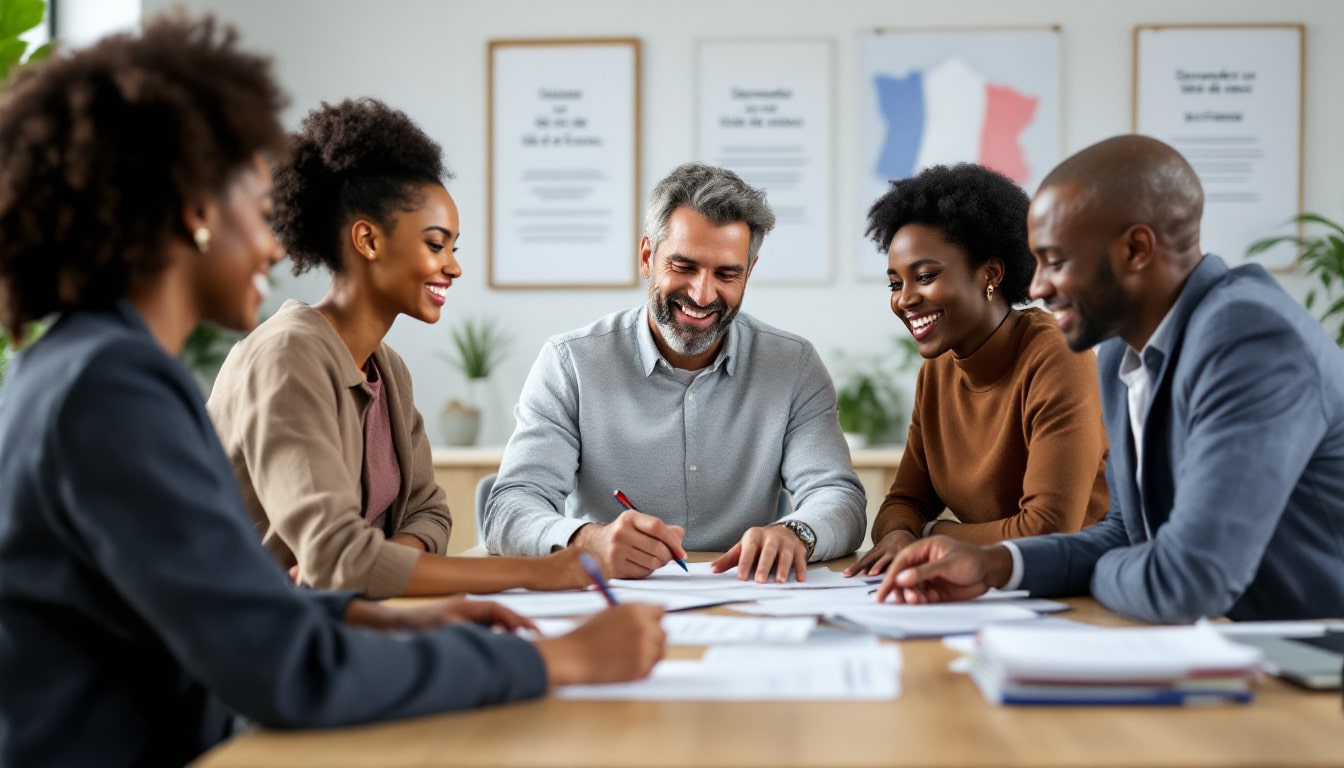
point(699, 413)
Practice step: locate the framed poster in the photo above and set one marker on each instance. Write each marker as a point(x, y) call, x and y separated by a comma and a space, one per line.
point(938, 97)
point(563, 163)
point(765, 112)
point(1229, 98)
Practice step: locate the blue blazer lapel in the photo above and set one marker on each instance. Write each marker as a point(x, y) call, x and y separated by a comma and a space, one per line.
point(1115, 414)
point(1161, 441)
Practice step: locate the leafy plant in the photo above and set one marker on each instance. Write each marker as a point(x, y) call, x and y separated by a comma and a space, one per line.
point(207, 346)
point(18, 17)
point(479, 346)
point(1323, 256)
point(869, 401)
point(863, 411)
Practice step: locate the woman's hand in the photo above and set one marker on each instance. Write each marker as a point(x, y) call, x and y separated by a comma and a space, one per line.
point(883, 552)
point(558, 570)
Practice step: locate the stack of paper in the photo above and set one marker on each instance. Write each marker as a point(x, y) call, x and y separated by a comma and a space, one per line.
point(1025, 664)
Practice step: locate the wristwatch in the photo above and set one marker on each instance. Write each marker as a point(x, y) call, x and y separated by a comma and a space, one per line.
point(804, 533)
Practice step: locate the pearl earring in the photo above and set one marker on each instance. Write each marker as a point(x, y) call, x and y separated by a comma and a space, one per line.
point(202, 237)
point(989, 292)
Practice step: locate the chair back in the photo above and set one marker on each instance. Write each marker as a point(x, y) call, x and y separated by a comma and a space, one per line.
point(483, 487)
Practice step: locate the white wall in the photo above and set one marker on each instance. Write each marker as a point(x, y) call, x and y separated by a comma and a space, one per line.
point(427, 57)
point(84, 21)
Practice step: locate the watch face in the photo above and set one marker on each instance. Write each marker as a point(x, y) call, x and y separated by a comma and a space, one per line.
point(804, 532)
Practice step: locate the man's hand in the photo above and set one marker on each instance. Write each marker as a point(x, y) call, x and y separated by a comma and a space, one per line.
point(940, 570)
point(882, 553)
point(772, 547)
point(633, 546)
point(365, 613)
point(619, 644)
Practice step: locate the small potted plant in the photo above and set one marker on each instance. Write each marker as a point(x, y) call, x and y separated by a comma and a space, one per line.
point(870, 394)
point(479, 346)
point(864, 411)
point(1323, 256)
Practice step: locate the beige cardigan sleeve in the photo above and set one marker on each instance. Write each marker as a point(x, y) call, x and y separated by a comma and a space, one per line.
point(298, 431)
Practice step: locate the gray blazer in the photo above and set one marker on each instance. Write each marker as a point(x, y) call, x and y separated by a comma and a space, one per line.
point(1243, 468)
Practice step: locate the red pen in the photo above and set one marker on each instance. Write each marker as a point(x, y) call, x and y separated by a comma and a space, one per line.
point(625, 502)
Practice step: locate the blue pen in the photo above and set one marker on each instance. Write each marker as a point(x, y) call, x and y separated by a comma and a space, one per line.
point(626, 503)
point(590, 567)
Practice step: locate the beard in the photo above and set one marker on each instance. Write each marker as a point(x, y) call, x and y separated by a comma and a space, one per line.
point(686, 339)
point(1098, 312)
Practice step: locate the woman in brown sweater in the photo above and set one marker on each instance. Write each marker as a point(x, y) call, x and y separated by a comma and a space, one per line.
point(1006, 432)
point(316, 411)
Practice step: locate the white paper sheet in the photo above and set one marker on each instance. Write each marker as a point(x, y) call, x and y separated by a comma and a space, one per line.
point(536, 605)
point(705, 629)
point(671, 578)
point(900, 621)
point(765, 673)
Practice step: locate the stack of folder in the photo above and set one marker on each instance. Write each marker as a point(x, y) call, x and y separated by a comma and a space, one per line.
point(1022, 664)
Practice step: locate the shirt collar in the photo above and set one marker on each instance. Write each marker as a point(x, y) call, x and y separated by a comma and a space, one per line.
point(1153, 352)
point(649, 356)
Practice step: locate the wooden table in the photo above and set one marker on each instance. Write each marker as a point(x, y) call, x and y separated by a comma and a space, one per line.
point(940, 719)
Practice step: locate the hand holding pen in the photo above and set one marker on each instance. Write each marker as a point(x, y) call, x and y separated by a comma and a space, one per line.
point(625, 502)
point(633, 545)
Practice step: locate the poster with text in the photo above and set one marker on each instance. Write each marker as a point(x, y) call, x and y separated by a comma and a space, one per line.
point(1230, 100)
point(944, 97)
point(563, 163)
point(765, 112)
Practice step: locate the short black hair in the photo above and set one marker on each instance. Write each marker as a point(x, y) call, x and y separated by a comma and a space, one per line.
point(980, 210)
point(101, 151)
point(356, 158)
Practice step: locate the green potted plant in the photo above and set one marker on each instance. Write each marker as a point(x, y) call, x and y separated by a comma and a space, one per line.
point(870, 403)
point(865, 414)
point(18, 18)
point(479, 345)
point(1323, 255)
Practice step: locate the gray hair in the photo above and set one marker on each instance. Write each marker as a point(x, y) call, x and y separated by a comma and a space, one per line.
point(718, 194)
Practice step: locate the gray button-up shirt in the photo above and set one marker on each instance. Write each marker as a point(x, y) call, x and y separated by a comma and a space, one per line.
point(602, 410)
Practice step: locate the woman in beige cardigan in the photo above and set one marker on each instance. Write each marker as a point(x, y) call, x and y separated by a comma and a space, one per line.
point(316, 411)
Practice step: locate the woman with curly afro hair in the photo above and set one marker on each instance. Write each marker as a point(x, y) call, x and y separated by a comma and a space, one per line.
point(1006, 432)
point(139, 614)
point(316, 411)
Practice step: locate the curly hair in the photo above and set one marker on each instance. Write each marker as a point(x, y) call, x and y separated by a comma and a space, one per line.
point(980, 210)
point(357, 158)
point(101, 151)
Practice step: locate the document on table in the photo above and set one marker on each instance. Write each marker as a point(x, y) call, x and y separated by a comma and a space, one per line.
point(671, 578)
point(536, 605)
point(834, 671)
point(702, 629)
point(831, 601)
point(903, 621)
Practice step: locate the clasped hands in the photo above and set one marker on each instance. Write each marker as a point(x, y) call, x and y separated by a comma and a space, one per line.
point(635, 545)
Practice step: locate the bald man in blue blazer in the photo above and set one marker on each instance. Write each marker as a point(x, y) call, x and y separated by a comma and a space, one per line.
point(1223, 400)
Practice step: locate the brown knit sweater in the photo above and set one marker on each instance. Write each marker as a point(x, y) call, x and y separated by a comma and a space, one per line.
point(1009, 439)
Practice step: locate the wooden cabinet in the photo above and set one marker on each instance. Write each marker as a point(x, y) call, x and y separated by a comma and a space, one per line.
point(458, 470)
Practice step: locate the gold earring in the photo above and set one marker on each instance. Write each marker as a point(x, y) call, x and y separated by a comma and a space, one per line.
point(989, 292)
point(202, 237)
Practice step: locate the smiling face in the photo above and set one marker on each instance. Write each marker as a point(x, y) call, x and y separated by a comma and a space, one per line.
point(696, 283)
point(938, 294)
point(1074, 275)
point(412, 265)
point(230, 278)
